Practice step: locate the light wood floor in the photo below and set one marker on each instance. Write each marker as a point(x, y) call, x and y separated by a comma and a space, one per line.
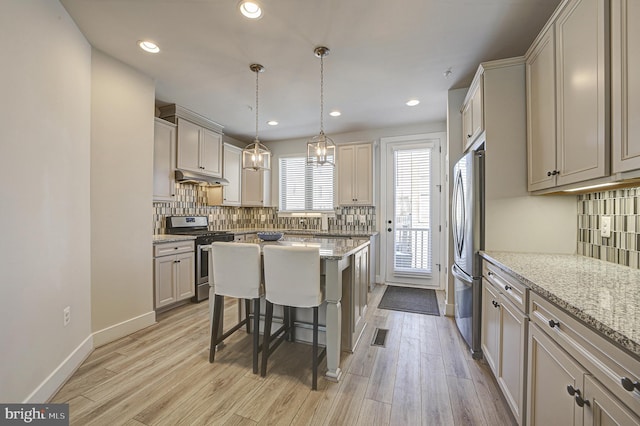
point(161, 376)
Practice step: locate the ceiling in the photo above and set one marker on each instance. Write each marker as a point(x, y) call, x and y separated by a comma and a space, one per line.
point(383, 53)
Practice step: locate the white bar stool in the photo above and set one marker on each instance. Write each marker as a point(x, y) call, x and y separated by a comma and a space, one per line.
point(236, 271)
point(292, 279)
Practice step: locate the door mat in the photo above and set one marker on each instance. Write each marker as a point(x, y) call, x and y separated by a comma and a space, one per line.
point(408, 299)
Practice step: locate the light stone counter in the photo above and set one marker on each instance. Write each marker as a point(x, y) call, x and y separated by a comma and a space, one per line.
point(603, 295)
point(166, 238)
point(310, 232)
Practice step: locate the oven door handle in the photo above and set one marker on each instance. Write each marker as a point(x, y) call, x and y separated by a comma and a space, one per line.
point(205, 247)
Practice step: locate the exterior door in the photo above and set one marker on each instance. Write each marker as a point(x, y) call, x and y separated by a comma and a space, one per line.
point(412, 213)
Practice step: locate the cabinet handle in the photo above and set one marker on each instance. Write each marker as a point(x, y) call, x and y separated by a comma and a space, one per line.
point(495, 304)
point(389, 229)
point(469, 136)
point(507, 287)
point(572, 391)
point(490, 273)
point(630, 385)
point(582, 402)
point(175, 248)
point(554, 324)
point(553, 173)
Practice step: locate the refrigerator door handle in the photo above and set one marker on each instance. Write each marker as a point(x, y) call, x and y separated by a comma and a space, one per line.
point(460, 274)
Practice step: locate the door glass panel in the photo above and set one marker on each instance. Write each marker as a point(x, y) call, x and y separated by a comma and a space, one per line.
point(412, 202)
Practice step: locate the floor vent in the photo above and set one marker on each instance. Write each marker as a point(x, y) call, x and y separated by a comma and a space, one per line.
point(380, 337)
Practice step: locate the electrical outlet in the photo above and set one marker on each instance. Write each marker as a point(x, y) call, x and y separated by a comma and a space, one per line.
point(605, 227)
point(66, 316)
point(263, 217)
point(234, 217)
point(349, 218)
point(362, 218)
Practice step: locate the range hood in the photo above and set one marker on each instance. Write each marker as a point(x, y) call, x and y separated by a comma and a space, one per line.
point(184, 176)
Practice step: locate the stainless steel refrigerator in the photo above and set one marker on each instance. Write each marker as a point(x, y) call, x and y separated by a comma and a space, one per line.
point(467, 225)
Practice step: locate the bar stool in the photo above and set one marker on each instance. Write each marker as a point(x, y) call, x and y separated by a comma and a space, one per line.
point(235, 269)
point(292, 279)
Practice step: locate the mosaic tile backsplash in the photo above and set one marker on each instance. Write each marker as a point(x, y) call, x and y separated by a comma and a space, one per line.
point(623, 205)
point(191, 200)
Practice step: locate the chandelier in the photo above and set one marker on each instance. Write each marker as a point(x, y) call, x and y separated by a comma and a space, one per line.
point(256, 156)
point(320, 149)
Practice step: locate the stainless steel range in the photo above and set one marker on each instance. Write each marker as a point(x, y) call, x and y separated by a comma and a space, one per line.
point(198, 226)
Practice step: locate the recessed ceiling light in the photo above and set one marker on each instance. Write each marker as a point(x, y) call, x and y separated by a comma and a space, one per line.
point(250, 8)
point(272, 123)
point(413, 102)
point(148, 46)
point(335, 113)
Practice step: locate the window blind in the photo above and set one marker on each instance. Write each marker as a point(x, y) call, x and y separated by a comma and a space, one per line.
point(305, 187)
point(413, 210)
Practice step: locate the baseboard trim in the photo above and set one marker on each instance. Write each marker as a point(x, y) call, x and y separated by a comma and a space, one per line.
point(117, 331)
point(450, 309)
point(62, 373)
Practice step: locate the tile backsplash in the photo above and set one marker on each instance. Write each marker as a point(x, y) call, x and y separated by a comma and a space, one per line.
point(623, 205)
point(191, 200)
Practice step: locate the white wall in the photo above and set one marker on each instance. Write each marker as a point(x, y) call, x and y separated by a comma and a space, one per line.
point(44, 193)
point(122, 116)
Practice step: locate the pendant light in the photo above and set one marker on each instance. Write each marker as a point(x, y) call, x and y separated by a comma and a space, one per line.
point(320, 149)
point(256, 156)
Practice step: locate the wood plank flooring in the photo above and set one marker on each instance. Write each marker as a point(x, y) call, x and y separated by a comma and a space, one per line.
point(161, 376)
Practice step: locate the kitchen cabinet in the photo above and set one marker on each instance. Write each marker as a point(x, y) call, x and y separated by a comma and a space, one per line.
point(472, 114)
point(164, 160)
point(256, 188)
point(199, 149)
point(228, 195)
point(355, 174)
point(625, 84)
point(354, 298)
point(575, 376)
point(566, 69)
point(174, 272)
point(503, 334)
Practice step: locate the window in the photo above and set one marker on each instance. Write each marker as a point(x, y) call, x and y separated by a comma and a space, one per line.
point(305, 187)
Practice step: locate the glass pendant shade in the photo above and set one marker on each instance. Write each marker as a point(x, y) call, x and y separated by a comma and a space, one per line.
point(321, 150)
point(256, 156)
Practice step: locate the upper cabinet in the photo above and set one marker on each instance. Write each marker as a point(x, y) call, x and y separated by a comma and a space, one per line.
point(256, 188)
point(228, 195)
point(164, 160)
point(567, 97)
point(199, 141)
point(472, 113)
point(625, 84)
point(355, 174)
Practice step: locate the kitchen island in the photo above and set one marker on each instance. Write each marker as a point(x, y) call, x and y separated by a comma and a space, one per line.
point(344, 264)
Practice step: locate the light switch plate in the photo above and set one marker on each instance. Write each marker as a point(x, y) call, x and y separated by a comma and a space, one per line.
point(605, 227)
point(349, 218)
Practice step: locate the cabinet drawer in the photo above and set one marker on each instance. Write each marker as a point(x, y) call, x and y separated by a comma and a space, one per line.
point(176, 247)
point(608, 363)
point(510, 287)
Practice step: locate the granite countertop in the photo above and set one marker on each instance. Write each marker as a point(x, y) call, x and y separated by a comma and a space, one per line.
point(166, 238)
point(330, 248)
point(604, 295)
point(311, 232)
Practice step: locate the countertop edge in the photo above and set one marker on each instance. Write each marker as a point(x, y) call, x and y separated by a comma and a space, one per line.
point(615, 337)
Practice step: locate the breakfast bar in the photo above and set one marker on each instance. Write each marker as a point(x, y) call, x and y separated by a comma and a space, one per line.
point(344, 264)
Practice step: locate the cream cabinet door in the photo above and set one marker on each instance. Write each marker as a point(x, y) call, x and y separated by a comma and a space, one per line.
point(355, 174)
point(490, 333)
point(346, 174)
point(603, 408)
point(511, 372)
point(211, 152)
point(164, 276)
point(477, 117)
point(188, 146)
point(467, 126)
point(551, 371)
point(625, 84)
point(232, 171)
point(541, 114)
point(164, 160)
point(185, 275)
point(256, 188)
point(582, 133)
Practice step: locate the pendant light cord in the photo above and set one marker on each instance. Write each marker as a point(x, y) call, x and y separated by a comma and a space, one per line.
point(321, 93)
point(257, 73)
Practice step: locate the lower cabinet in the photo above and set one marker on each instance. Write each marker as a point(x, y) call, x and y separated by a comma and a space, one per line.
point(503, 340)
point(174, 274)
point(355, 286)
point(575, 377)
